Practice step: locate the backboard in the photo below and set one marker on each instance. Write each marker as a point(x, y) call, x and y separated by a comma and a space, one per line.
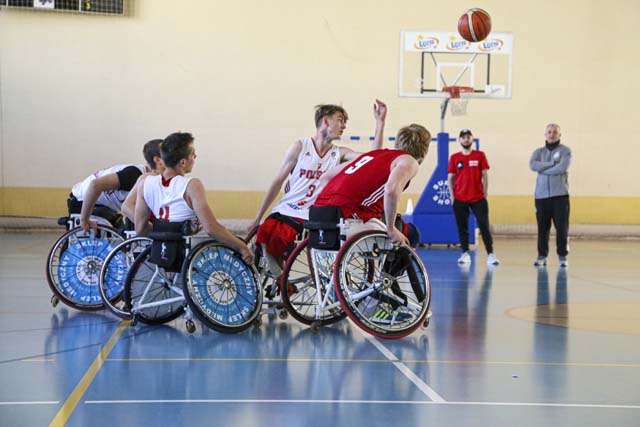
point(432, 60)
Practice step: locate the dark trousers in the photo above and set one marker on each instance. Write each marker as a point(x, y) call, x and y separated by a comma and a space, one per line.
point(481, 211)
point(554, 209)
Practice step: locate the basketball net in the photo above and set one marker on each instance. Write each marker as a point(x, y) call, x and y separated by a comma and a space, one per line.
point(458, 105)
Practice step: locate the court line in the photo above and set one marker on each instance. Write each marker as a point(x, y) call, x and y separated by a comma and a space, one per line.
point(424, 387)
point(43, 402)
point(372, 402)
point(74, 398)
point(338, 360)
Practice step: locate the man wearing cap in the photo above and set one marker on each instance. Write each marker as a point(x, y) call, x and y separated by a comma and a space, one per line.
point(469, 183)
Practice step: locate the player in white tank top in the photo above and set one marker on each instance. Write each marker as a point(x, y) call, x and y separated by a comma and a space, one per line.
point(330, 124)
point(301, 190)
point(166, 200)
point(185, 198)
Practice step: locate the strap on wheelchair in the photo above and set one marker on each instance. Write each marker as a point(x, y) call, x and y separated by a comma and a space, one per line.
point(287, 220)
point(324, 232)
point(168, 247)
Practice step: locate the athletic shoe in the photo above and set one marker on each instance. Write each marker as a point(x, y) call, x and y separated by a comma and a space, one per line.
point(465, 258)
point(563, 261)
point(540, 261)
point(383, 316)
point(492, 260)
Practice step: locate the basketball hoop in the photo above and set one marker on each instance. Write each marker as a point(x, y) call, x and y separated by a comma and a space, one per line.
point(458, 105)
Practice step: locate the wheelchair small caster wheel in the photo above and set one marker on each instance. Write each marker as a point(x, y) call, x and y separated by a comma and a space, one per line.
point(426, 323)
point(54, 301)
point(191, 326)
point(283, 315)
point(315, 326)
point(257, 323)
point(133, 321)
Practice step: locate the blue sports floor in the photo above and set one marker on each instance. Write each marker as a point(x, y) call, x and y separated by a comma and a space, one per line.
point(508, 346)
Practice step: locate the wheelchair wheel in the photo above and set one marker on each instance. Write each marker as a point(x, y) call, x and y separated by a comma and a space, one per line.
point(114, 274)
point(385, 290)
point(221, 289)
point(74, 263)
point(151, 294)
point(298, 287)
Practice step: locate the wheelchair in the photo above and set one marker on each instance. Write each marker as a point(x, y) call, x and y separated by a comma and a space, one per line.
point(211, 281)
point(75, 260)
point(344, 269)
point(114, 272)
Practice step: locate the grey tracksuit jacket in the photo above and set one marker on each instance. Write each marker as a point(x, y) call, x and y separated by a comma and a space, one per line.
point(552, 167)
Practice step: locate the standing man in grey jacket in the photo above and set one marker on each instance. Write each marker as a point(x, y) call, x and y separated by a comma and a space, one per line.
point(551, 162)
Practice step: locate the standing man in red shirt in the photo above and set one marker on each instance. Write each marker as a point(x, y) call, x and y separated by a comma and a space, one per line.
point(469, 184)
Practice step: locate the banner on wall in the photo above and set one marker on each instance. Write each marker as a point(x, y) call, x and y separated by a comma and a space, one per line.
point(452, 42)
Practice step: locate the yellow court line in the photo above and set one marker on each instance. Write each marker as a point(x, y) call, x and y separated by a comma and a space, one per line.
point(74, 398)
point(443, 362)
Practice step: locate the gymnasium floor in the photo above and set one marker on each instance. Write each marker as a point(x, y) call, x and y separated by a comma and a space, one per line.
point(512, 345)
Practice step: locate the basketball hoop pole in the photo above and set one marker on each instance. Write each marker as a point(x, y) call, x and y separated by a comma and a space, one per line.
point(443, 113)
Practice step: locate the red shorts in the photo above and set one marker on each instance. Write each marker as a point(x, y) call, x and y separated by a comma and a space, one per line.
point(278, 236)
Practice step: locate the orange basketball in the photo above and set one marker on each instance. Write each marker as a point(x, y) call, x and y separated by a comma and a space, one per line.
point(474, 25)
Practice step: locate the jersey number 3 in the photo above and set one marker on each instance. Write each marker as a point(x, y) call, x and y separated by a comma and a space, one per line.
point(363, 161)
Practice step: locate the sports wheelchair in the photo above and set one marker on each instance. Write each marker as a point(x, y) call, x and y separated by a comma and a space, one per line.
point(345, 268)
point(170, 278)
point(75, 260)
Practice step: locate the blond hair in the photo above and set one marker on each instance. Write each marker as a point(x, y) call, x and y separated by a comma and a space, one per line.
point(414, 139)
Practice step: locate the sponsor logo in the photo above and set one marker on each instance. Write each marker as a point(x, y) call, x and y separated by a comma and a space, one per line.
point(490, 45)
point(321, 236)
point(425, 43)
point(460, 165)
point(294, 206)
point(457, 44)
point(442, 196)
point(474, 163)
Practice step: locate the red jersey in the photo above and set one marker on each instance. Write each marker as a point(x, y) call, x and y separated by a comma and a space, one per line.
point(359, 187)
point(468, 175)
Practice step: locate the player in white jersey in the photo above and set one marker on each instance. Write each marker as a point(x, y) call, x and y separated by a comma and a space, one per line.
point(173, 197)
point(109, 187)
point(303, 164)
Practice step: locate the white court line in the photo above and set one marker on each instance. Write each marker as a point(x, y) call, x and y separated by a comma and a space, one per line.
point(44, 402)
point(366, 402)
point(431, 393)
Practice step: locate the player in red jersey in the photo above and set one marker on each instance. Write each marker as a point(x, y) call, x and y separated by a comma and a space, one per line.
point(370, 185)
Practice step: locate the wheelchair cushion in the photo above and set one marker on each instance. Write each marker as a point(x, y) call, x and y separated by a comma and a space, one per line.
point(324, 232)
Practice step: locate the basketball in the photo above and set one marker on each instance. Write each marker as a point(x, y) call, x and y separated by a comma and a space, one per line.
point(474, 25)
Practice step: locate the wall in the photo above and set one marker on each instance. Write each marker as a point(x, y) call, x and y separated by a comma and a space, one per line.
point(78, 93)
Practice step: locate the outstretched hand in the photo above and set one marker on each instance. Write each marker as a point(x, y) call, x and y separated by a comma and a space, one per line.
point(380, 110)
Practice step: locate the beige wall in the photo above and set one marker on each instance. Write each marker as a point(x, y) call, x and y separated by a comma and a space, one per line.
point(83, 92)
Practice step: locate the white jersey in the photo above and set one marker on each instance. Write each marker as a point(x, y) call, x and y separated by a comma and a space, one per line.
point(112, 199)
point(165, 199)
point(302, 188)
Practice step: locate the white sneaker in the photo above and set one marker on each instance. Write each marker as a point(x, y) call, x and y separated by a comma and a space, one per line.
point(563, 261)
point(465, 258)
point(492, 260)
point(540, 261)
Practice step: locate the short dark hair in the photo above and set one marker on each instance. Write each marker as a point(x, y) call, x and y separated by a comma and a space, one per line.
point(151, 149)
point(324, 110)
point(175, 147)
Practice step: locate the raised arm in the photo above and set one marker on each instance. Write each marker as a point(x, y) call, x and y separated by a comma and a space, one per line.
point(402, 170)
point(96, 187)
point(196, 195)
point(380, 115)
point(288, 164)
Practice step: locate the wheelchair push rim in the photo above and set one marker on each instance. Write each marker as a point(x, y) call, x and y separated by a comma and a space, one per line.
point(384, 290)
